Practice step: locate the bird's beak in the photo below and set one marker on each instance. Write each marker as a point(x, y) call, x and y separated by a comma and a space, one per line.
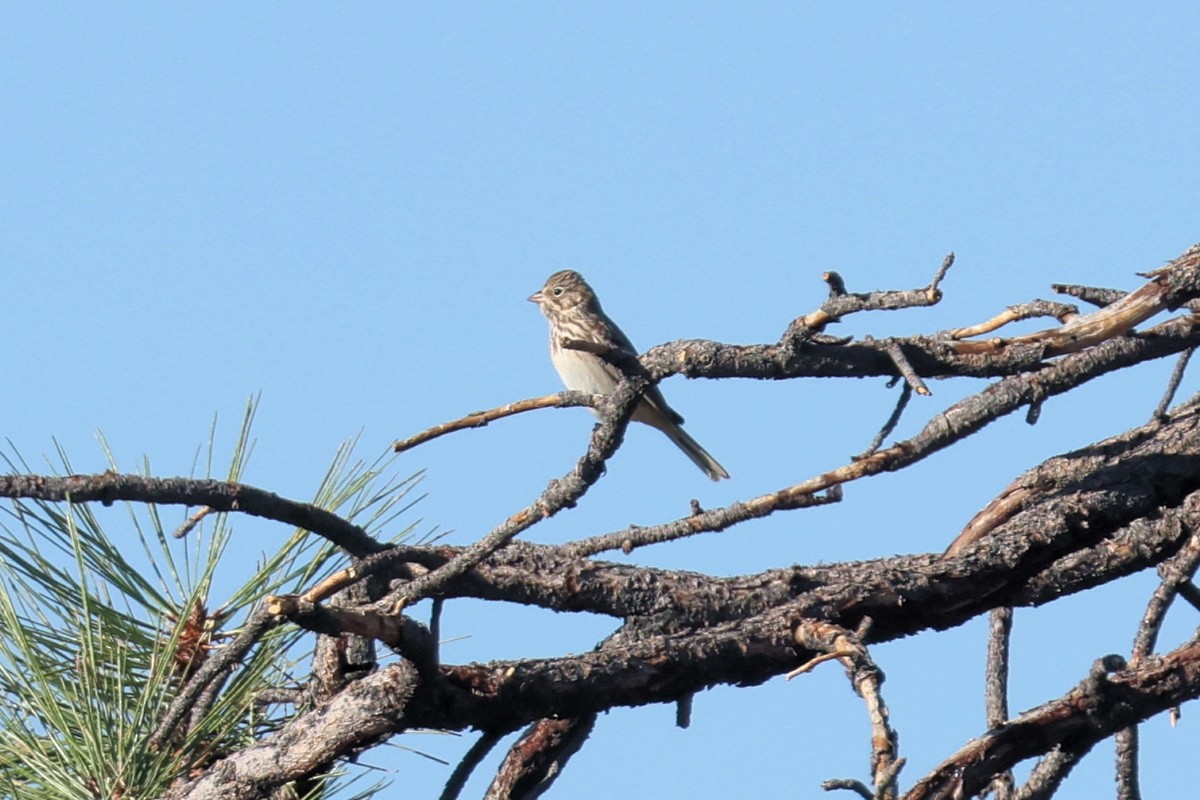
point(537, 297)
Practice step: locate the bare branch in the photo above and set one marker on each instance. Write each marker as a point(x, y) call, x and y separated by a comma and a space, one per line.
point(616, 411)
point(1168, 289)
point(849, 784)
point(405, 635)
point(191, 522)
point(538, 757)
point(1031, 310)
point(1175, 573)
point(1173, 384)
point(996, 686)
point(478, 751)
point(1089, 294)
point(480, 419)
point(110, 487)
point(866, 678)
point(911, 379)
point(1049, 773)
point(841, 303)
point(892, 421)
point(1097, 708)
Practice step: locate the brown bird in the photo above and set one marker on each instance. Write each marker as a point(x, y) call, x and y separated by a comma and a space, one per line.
point(574, 313)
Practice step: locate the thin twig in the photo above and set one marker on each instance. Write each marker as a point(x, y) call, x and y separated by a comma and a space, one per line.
point(940, 275)
point(480, 419)
point(850, 784)
point(635, 536)
point(892, 421)
point(191, 522)
point(841, 303)
point(1189, 592)
point(1175, 574)
point(477, 753)
point(1160, 413)
point(911, 378)
point(616, 411)
point(1031, 310)
point(996, 686)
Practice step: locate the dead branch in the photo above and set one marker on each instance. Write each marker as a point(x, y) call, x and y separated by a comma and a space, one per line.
point(995, 688)
point(1169, 288)
point(1031, 310)
point(480, 419)
point(538, 757)
point(866, 678)
point(111, 487)
point(1112, 697)
point(1072, 523)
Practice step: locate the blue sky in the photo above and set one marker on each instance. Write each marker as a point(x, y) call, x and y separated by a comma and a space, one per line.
point(345, 207)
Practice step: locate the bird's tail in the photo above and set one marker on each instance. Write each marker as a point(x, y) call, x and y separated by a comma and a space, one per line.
point(699, 456)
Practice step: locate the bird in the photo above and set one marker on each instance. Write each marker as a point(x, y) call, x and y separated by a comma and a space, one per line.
point(574, 313)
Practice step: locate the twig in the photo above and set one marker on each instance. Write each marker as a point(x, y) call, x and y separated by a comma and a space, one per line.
point(1175, 574)
point(1189, 592)
point(1160, 412)
point(635, 536)
point(833, 641)
point(1128, 781)
point(996, 683)
point(837, 284)
point(1031, 310)
point(191, 522)
point(841, 304)
point(615, 411)
point(892, 422)
point(850, 784)
point(1088, 294)
point(1168, 288)
point(480, 419)
point(477, 753)
point(816, 661)
point(435, 627)
point(996, 686)
point(911, 378)
point(940, 275)
point(683, 711)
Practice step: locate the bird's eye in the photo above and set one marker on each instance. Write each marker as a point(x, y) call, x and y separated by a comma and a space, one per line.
point(558, 290)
